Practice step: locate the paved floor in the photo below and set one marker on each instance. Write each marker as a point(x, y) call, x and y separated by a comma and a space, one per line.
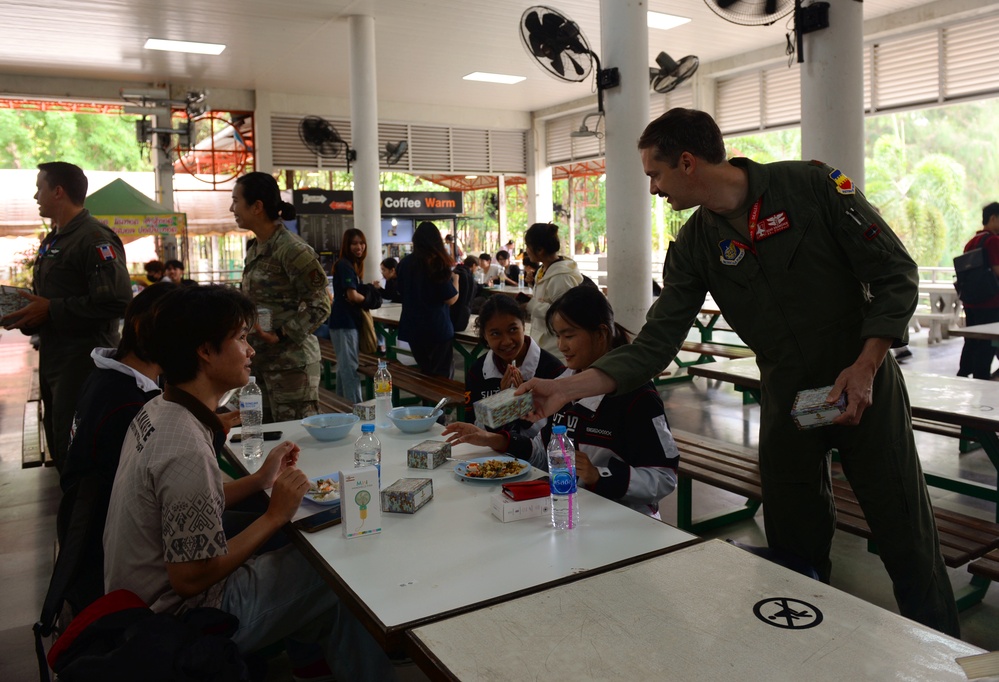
point(29, 498)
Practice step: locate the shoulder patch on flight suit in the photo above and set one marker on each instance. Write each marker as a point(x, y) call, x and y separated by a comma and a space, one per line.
point(105, 251)
point(844, 185)
point(731, 252)
point(317, 279)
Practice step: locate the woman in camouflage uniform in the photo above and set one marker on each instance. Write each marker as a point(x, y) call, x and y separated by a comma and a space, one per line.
point(282, 274)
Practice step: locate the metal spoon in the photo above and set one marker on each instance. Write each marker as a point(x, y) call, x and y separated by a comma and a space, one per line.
point(439, 406)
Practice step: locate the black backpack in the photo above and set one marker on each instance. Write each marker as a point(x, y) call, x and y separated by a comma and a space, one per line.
point(976, 282)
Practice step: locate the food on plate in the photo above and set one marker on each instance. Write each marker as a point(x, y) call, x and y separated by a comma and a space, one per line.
point(494, 468)
point(414, 416)
point(324, 488)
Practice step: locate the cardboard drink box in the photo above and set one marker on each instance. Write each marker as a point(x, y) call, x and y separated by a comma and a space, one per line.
point(502, 408)
point(506, 509)
point(407, 495)
point(365, 410)
point(810, 409)
point(359, 502)
point(429, 454)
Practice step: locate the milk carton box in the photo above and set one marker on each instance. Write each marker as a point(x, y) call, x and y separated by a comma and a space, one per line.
point(360, 505)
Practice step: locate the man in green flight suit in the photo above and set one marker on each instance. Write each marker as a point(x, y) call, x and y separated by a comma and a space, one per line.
point(817, 284)
point(81, 289)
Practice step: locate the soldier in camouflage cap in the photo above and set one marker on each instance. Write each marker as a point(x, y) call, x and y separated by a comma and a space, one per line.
point(282, 275)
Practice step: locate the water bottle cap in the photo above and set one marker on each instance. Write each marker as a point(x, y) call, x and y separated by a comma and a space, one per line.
point(559, 430)
point(382, 364)
point(367, 428)
point(253, 380)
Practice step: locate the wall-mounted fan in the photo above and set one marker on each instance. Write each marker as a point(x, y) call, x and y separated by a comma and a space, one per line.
point(670, 73)
point(394, 152)
point(766, 12)
point(322, 139)
point(561, 49)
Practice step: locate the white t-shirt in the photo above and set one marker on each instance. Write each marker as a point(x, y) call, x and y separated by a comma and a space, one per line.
point(166, 505)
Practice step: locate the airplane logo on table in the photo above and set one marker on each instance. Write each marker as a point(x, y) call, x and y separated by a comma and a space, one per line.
point(787, 613)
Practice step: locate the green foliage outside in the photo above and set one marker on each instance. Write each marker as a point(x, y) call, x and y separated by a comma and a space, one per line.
point(91, 141)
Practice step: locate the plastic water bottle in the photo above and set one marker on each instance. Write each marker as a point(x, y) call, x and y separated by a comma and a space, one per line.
point(251, 414)
point(368, 450)
point(383, 395)
point(562, 475)
point(520, 281)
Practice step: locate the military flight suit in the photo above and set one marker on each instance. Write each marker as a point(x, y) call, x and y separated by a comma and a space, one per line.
point(822, 273)
point(284, 275)
point(81, 269)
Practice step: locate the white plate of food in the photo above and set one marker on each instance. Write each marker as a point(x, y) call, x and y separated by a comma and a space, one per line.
point(324, 490)
point(494, 468)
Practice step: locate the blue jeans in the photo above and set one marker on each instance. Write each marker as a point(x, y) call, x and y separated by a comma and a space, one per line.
point(278, 595)
point(348, 384)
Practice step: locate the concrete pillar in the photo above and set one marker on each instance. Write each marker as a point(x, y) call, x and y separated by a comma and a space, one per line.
point(504, 233)
point(539, 176)
point(263, 151)
point(832, 91)
point(569, 249)
point(364, 138)
point(625, 45)
point(163, 164)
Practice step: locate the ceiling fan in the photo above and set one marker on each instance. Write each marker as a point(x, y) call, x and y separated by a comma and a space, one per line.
point(807, 18)
point(322, 139)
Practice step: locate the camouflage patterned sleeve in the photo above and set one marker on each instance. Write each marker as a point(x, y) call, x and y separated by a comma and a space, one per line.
point(309, 283)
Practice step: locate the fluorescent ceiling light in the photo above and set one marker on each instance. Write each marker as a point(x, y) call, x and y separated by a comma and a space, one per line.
point(665, 21)
point(183, 46)
point(493, 78)
point(471, 177)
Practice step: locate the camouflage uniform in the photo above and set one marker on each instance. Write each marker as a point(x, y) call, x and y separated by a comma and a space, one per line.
point(81, 269)
point(283, 274)
point(796, 295)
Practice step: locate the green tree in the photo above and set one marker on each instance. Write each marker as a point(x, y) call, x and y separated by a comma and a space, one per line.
point(91, 141)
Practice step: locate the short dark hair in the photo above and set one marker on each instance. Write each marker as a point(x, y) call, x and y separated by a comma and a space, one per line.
point(68, 176)
point(498, 305)
point(988, 211)
point(154, 266)
point(390, 263)
point(470, 262)
point(502, 255)
point(188, 318)
point(683, 130)
point(543, 237)
point(174, 263)
point(587, 308)
point(262, 187)
point(136, 328)
point(486, 256)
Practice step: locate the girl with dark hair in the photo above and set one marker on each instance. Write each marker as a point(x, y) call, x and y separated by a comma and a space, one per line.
point(624, 449)
point(428, 288)
point(555, 276)
point(512, 359)
point(282, 274)
point(348, 273)
point(390, 292)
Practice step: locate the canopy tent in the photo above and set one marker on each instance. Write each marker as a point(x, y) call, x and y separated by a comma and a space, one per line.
point(131, 214)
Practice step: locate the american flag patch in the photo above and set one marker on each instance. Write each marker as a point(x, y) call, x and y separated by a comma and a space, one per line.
point(105, 251)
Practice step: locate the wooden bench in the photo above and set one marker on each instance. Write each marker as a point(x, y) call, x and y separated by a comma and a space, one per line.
point(331, 402)
point(33, 446)
point(427, 390)
point(984, 572)
point(734, 468)
point(706, 352)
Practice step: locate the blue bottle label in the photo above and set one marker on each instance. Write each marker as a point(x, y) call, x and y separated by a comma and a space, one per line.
point(562, 482)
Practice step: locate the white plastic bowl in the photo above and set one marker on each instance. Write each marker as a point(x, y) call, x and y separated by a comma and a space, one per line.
point(326, 427)
point(398, 417)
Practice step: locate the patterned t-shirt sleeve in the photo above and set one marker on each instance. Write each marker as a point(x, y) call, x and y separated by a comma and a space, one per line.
point(191, 509)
